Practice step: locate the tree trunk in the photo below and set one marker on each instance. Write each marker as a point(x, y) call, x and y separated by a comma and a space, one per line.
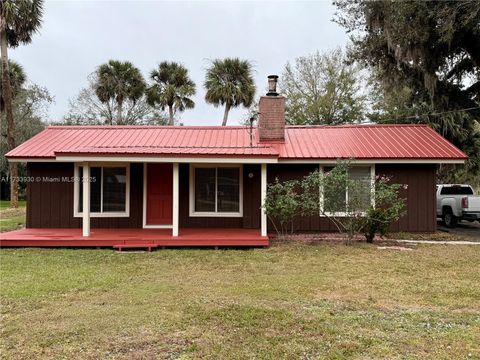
point(225, 114)
point(7, 100)
point(119, 112)
point(171, 121)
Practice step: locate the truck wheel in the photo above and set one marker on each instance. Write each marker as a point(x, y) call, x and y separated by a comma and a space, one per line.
point(449, 219)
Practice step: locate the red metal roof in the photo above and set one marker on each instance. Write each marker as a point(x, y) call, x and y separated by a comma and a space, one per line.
point(367, 142)
point(301, 142)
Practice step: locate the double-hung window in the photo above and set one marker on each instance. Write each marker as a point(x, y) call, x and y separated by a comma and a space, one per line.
point(216, 190)
point(338, 198)
point(109, 190)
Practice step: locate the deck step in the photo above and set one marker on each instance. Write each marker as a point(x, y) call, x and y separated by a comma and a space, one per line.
point(149, 246)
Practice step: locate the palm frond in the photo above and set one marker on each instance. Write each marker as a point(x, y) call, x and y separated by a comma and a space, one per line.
point(17, 79)
point(230, 81)
point(171, 87)
point(23, 19)
point(119, 80)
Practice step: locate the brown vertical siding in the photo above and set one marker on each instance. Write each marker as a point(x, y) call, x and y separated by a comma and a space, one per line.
point(50, 204)
point(297, 172)
point(251, 196)
point(420, 195)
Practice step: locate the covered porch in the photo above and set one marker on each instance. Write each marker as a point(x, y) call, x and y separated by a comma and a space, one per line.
point(141, 237)
point(198, 196)
point(106, 202)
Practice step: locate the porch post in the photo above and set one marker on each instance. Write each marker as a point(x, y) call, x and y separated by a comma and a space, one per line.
point(263, 218)
point(175, 206)
point(86, 200)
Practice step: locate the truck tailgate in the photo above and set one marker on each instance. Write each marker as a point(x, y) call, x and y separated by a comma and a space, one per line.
point(473, 203)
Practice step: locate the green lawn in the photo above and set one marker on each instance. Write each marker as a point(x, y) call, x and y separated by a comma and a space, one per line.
point(289, 301)
point(11, 219)
point(5, 204)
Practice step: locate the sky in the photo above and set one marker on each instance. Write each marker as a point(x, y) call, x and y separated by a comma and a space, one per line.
point(77, 36)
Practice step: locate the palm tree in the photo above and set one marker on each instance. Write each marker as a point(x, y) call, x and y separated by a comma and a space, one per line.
point(172, 88)
point(17, 80)
point(19, 21)
point(230, 82)
point(118, 81)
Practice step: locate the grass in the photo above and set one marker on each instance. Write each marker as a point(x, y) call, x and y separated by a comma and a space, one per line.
point(5, 204)
point(11, 219)
point(327, 301)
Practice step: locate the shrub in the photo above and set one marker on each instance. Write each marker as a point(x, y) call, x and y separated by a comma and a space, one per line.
point(389, 207)
point(326, 194)
point(282, 204)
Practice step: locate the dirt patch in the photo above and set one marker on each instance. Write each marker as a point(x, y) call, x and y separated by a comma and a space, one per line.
point(8, 213)
point(438, 235)
point(400, 248)
point(12, 219)
point(316, 238)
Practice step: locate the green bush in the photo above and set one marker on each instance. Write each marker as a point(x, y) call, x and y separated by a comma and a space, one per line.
point(282, 204)
point(347, 200)
point(389, 207)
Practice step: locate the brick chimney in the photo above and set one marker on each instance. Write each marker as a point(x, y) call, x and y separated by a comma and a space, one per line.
point(271, 108)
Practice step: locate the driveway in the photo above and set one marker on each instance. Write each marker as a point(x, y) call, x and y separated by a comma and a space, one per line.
point(469, 230)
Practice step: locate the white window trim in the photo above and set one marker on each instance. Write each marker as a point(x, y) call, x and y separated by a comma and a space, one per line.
point(78, 182)
point(372, 184)
point(194, 213)
point(342, 213)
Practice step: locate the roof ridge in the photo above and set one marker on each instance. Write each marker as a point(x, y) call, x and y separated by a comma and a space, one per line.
point(172, 147)
point(353, 126)
point(117, 127)
point(228, 127)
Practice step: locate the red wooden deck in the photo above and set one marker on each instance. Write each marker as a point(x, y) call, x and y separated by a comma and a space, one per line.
point(111, 237)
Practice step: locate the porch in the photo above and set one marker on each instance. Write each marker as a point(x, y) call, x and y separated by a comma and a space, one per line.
point(112, 237)
point(192, 196)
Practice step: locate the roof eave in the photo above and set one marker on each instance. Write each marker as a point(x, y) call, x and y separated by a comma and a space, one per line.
point(185, 158)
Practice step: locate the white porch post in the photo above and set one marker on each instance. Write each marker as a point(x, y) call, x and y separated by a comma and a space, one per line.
point(175, 206)
point(263, 218)
point(86, 200)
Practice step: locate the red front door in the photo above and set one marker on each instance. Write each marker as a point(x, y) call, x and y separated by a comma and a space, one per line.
point(159, 194)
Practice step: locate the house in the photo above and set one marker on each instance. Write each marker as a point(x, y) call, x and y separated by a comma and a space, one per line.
point(199, 185)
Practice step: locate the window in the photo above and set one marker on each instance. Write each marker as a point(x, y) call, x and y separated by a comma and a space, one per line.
point(363, 177)
point(109, 191)
point(215, 191)
point(334, 198)
point(456, 190)
point(205, 185)
point(338, 198)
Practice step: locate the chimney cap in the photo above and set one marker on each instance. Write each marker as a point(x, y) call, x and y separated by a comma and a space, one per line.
point(272, 85)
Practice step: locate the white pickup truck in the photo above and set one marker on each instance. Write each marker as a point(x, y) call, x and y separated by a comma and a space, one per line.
point(457, 202)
